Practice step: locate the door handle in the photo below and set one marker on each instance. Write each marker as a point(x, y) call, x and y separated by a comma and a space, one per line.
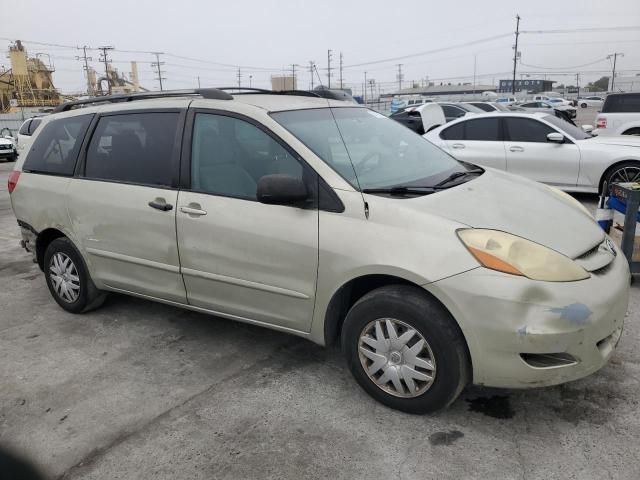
point(457, 145)
point(160, 204)
point(515, 148)
point(191, 210)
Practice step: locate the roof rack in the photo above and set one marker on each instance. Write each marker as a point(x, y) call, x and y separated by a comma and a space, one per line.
point(249, 91)
point(209, 93)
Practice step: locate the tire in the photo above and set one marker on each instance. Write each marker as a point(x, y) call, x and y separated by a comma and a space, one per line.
point(13, 158)
point(623, 172)
point(583, 105)
point(407, 307)
point(81, 295)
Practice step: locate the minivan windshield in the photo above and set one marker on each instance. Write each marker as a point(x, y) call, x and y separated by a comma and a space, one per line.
point(368, 149)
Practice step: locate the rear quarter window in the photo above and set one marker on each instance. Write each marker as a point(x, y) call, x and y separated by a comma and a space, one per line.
point(55, 149)
point(24, 128)
point(628, 103)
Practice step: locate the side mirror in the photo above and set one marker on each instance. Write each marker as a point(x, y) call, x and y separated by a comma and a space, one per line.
point(555, 137)
point(280, 189)
point(587, 128)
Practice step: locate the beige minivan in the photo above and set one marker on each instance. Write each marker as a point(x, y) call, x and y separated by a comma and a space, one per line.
point(326, 220)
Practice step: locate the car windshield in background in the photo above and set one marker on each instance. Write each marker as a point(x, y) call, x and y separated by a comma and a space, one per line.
point(571, 130)
point(368, 149)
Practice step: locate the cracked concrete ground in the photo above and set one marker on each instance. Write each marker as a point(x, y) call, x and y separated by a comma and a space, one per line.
point(146, 391)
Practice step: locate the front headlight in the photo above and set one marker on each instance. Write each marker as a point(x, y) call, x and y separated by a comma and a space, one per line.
point(568, 199)
point(518, 256)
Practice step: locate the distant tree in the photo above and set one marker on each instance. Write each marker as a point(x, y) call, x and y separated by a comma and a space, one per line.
point(599, 85)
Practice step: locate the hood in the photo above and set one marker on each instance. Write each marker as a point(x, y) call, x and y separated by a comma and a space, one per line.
point(621, 140)
point(5, 141)
point(500, 201)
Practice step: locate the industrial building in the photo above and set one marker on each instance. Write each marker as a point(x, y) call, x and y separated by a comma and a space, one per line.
point(526, 86)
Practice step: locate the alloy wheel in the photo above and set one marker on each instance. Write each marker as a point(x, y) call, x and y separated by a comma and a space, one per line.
point(64, 277)
point(626, 174)
point(396, 357)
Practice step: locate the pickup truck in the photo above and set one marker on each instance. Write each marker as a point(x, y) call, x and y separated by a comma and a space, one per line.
point(620, 115)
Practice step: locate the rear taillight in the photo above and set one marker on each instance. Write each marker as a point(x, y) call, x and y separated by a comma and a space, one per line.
point(601, 123)
point(13, 180)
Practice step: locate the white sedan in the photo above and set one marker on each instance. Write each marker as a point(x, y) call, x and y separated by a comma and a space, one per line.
point(543, 148)
point(585, 102)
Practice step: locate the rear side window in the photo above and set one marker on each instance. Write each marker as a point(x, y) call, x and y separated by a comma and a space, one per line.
point(34, 124)
point(483, 106)
point(450, 111)
point(56, 149)
point(486, 129)
point(622, 103)
point(24, 129)
point(526, 130)
point(134, 148)
point(454, 132)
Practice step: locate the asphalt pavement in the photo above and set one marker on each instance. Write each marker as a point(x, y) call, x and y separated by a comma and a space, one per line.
point(140, 390)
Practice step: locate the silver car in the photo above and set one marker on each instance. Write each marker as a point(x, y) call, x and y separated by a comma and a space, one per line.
point(328, 221)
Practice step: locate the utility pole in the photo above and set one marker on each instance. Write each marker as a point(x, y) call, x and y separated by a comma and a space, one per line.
point(250, 80)
point(239, 75)
point(515, 56)
point(372, 83)
point(158, 64)
point(311, 68)
point(105, 59)
point(399, 65)
point(341, 70)
point(364, 96)
point(198, 81)
point(475, 58)
point(86, 59)
point(613, 74)
point(578, 84)
point(329, 69)
point(293, 74)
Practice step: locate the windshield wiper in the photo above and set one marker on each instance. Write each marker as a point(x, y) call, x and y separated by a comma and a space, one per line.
point(456, 175)
point(402, 190)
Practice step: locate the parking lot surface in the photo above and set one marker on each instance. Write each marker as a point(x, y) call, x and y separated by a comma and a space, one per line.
point(143, 390)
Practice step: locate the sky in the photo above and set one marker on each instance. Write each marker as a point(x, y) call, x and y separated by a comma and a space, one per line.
point(441, 42)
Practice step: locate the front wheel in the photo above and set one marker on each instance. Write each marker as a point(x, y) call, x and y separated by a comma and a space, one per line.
point(583, 105)
point(405, 349)
point(68, 279)
point(623, 173)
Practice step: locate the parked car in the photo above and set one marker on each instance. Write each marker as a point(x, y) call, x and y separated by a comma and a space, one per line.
point(329, 221)
point(8, 149)
point(27, 129)
point(546, 107)
point(507, 100)
point(620, 115)
point(585, 102)
point(489, 106)
point(454, 110)
point(542, 147)
point(560, 101)
point(421, 118)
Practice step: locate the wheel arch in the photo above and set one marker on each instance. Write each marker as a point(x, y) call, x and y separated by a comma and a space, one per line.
point(44, 238)
point(353, 290)
point(611, 167)
point(635, 130)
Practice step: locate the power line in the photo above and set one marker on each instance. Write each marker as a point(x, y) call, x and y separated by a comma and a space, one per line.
point(565, 68)
point(583, 30)
point(428, 52)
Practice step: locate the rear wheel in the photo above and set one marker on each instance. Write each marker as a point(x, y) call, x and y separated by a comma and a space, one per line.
point(68, 279)
point(583, 105)
point(405, 349)
point(624, 172)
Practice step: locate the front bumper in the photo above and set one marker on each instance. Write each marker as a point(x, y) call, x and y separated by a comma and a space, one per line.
point(503, 316)
point(7, 153)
